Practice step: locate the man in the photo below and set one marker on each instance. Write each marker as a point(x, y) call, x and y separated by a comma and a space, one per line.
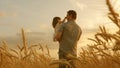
point(68, 36)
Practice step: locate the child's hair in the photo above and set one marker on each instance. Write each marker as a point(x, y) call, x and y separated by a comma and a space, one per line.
point(55, 21)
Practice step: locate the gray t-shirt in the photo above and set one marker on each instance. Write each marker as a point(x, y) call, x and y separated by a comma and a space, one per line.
point(71, 33)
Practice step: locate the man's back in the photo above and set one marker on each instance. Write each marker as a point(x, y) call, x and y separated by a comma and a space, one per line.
point(70, 36)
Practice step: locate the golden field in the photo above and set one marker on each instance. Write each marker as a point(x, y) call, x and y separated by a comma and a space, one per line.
point(96, 55)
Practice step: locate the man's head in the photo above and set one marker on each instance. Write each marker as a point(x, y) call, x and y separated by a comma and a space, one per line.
point(71, 15)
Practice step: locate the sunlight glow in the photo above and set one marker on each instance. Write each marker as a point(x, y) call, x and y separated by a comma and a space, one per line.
point(116, 5)
point(79, 5)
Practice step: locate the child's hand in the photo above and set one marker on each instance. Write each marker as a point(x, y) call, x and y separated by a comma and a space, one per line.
point(64, 19)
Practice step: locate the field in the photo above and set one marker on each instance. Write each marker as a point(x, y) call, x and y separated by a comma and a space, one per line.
point(96, 55)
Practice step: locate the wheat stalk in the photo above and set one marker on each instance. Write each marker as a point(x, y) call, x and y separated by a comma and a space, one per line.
point(24, 41)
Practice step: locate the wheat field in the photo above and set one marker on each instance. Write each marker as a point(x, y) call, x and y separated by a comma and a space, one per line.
point(96, 55)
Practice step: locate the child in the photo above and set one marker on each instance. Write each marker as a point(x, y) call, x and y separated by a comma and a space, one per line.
point(56, 25)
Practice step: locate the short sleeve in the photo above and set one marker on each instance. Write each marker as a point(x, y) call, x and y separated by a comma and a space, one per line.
point(61, 28)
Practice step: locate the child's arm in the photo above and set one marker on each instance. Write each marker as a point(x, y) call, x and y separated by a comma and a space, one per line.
point(54, 39)
point(63, 20)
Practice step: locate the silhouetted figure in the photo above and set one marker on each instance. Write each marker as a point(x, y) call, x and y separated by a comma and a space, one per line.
point(68, 35)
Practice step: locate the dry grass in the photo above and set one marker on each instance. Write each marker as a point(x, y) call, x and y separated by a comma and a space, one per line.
point(97, 55)
point(24, 57)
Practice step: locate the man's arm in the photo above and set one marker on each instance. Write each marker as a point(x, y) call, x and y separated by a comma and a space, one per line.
point(80, 32)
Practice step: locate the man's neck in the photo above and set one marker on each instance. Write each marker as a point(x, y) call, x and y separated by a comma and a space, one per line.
point(71, 20)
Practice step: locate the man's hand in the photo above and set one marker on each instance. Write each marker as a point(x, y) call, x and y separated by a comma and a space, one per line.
point(58, 36)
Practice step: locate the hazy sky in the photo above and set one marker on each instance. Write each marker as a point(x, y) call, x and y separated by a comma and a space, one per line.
point(35, 16)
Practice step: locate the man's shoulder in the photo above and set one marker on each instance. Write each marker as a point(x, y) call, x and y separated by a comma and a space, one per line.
point(63, 24)
point(77, 25)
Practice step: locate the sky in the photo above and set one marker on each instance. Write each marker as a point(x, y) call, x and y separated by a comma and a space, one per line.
point(35, 17)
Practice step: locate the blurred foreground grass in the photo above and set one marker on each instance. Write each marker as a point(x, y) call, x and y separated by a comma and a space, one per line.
point(97, 55)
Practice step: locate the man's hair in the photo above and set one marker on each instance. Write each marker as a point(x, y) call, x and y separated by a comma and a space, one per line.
point(55, 21)
point(73, 13)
